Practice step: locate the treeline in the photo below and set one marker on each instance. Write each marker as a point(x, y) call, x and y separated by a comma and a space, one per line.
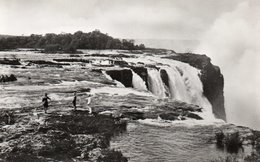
point(68, 42)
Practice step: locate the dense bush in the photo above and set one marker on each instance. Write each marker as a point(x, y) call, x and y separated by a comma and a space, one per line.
point(68, 42)
point(231, 141)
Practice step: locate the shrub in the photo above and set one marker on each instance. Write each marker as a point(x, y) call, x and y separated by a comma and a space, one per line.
point(231, 141)
point(52, 48)
point(220, 138)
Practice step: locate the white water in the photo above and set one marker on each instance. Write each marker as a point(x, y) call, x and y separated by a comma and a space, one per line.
point(184, 84)
point(178, 89)
point(155, 83)
point(138, 82)
point(187, 87)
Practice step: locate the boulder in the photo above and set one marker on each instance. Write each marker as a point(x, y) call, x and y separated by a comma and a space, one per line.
point(6, 78)
point(194, 116)
point(134, 115)
point(10, 61)
point(165, 77)
point(169, 116)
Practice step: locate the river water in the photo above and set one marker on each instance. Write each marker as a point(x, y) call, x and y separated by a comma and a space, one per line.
point(145, 142)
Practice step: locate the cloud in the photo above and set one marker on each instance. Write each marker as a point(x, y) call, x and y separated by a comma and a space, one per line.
point(165, 19)
point(233, 43)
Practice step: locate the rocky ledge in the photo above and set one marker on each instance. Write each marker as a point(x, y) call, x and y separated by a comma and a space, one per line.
point(8, 78)
point(30, 135)
point(6, 61)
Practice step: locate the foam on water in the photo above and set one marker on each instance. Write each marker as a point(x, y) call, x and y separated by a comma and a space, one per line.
point(120, 91)
point(186, 123)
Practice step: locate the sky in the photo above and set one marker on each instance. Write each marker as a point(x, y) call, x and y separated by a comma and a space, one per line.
point(226, 30)
point(136, 19)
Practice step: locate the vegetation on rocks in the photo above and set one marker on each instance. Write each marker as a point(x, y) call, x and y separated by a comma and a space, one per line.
point(231, 141)
point(68, 43)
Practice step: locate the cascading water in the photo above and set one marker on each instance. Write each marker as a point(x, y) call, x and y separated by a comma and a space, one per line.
point(138, 82)
point(185, 85)
point(178, 90)
point(155, 83)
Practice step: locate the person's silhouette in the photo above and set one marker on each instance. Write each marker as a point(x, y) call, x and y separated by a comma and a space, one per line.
point(45, 102)
point(74, 102)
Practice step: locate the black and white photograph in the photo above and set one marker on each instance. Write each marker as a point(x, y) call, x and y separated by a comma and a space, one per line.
point(129, 80)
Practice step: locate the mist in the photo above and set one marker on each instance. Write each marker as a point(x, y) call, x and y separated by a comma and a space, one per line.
point(233, 42)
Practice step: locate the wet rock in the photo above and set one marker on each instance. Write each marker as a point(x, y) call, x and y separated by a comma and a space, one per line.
point(7, 117)
point(72, 60)
point(124, 76)
point(40, 62)
point(121, 56)
point(165, 77)
point(49, 63)
point(169, 116)
point(187, 107)
point(152, 66)
point(6, 78)
point(120, 63)
point(10, 61)
point(134, 115)
point(194, 116)
point(14, 66)
point(111, 155)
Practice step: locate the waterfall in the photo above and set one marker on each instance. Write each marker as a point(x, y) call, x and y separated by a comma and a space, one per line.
point(138, 82)
point(155, 83)
point(185, 85)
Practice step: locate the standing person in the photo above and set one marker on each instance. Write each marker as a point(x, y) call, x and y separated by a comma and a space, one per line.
point(45, 102)
point(74, 102)
point(88, 102)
